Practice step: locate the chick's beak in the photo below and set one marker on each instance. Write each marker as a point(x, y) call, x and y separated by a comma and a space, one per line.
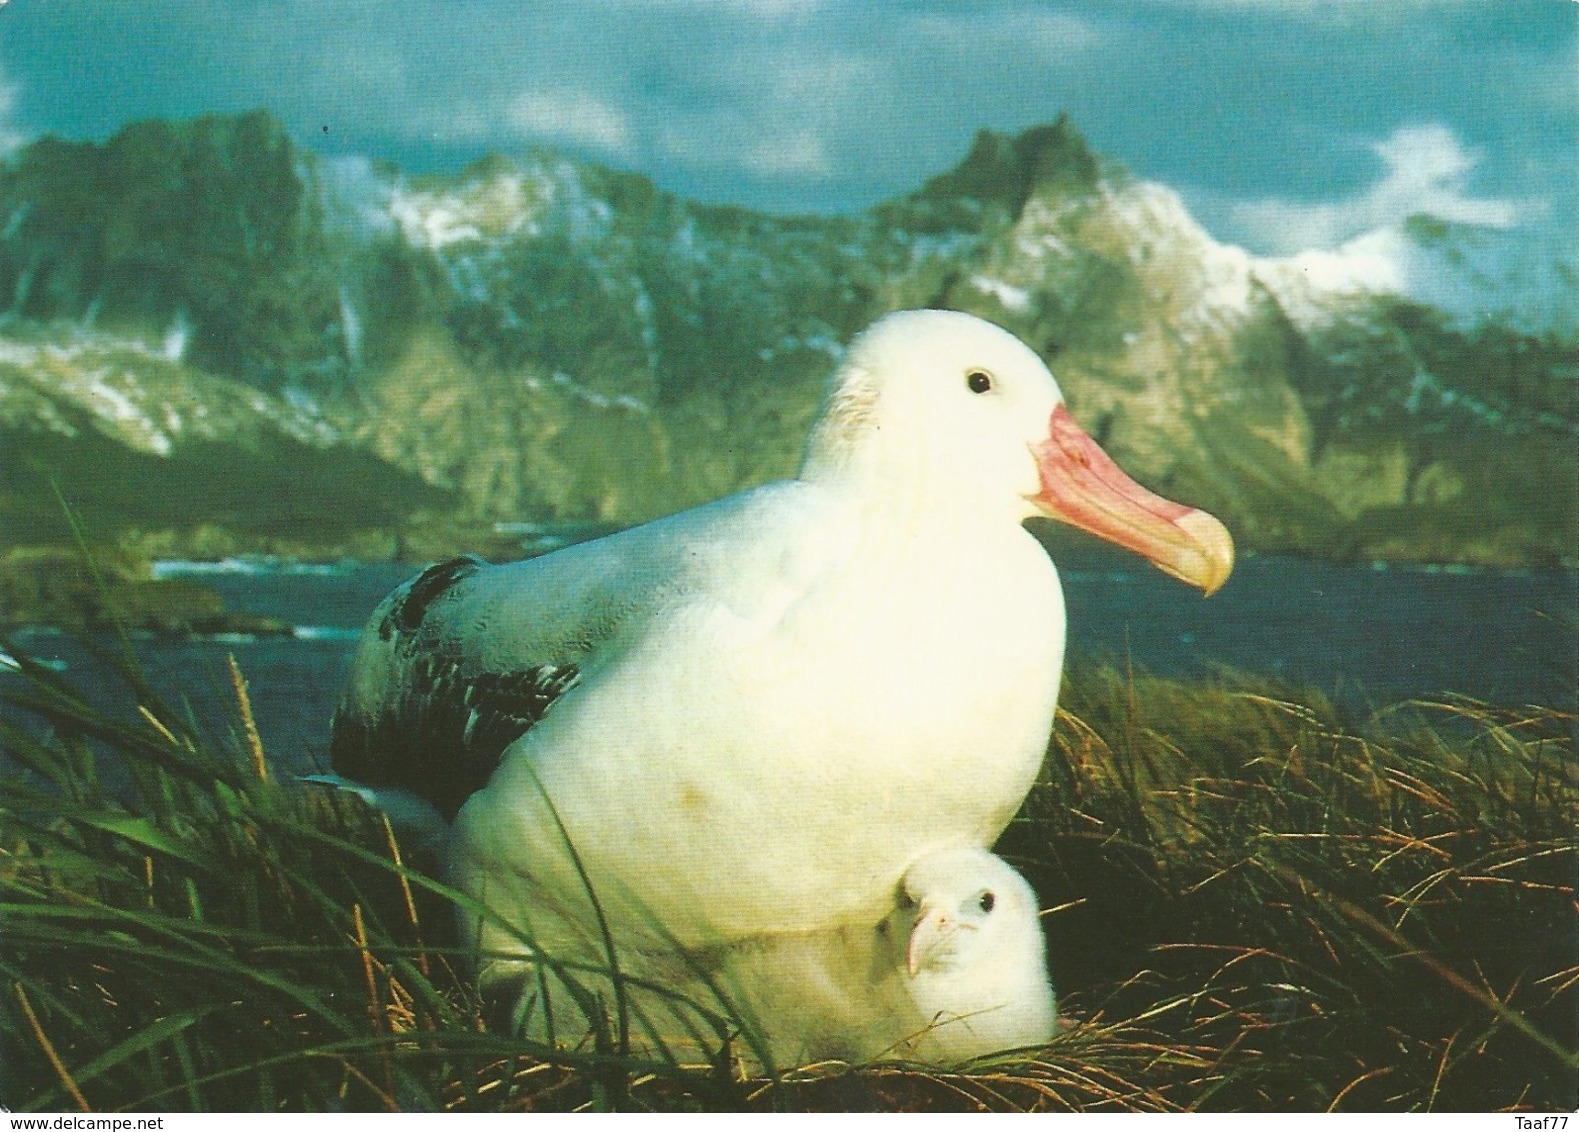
point(932, 929)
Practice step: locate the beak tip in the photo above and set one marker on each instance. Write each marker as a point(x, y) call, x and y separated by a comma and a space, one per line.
point(1214, 545)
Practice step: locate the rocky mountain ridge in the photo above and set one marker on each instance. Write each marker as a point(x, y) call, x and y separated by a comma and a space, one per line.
point(214, 342)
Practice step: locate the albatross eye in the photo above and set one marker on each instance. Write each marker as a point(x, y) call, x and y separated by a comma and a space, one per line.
point(978, 381)
point(987, 901)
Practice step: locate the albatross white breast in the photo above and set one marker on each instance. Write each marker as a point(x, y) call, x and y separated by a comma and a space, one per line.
point(750, 717)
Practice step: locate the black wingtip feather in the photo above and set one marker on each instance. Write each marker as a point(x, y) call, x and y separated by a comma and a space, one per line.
point(443, 739)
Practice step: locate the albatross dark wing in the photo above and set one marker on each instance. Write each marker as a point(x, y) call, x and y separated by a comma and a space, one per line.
point(439, 731)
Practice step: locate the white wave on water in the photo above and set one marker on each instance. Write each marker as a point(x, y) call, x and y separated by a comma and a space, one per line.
point(325, 633)
point(248, 564)
point(232, 638)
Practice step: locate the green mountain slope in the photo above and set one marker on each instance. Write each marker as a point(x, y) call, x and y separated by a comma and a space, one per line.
point(398, 359)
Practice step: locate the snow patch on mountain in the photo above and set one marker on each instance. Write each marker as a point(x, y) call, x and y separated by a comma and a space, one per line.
point(1473, 272)
point(437, 219)
point(127, 388)
point(1013, 298)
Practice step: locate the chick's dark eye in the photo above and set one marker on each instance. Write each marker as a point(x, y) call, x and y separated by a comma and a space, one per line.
point(978, 381)
point(987, 901)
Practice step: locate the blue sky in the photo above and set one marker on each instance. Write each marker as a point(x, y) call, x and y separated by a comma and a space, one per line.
point(1286, 124)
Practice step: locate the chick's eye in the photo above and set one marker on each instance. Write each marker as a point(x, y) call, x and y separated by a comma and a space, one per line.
point(987, 901)
point(978, 381)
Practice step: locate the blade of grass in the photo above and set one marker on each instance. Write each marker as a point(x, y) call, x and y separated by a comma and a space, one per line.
point(49, 1050)
point(248, 723)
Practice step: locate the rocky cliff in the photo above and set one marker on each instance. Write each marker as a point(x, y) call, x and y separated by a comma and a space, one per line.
point(215, 342)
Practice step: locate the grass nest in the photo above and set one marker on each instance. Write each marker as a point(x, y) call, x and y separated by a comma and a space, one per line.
point(1256, 902)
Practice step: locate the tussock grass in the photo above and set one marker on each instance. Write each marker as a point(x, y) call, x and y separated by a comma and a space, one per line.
point(1373, 916)
point(1256, 903)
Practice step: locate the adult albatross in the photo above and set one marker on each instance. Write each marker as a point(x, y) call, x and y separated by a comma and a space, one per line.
point(749, 717)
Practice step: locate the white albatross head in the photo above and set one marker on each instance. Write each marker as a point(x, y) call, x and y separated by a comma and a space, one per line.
point(955, 413)
point(975, 958)
point(962, 903)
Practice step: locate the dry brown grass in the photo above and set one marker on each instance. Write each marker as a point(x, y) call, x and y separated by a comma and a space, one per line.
point(1256, 904)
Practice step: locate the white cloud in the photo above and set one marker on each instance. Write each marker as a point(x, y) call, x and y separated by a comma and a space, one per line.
point(785, 120)
point(1426, 170)
point(773, 11)
point(451, 124)
point(768, 11)
point(1375, 261)
point(1025, 33)
point(718, 143)
point(801, 154)
point(375, 66)
point(1343, 12)
point(572, 117)
point(819, 83)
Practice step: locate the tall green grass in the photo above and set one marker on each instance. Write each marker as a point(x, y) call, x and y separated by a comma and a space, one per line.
point(1256, 904)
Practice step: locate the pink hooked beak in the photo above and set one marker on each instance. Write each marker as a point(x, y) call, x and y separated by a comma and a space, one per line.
point(1082, 486)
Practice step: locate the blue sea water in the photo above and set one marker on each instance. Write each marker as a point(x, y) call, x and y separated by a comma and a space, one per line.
point(1369, 634)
